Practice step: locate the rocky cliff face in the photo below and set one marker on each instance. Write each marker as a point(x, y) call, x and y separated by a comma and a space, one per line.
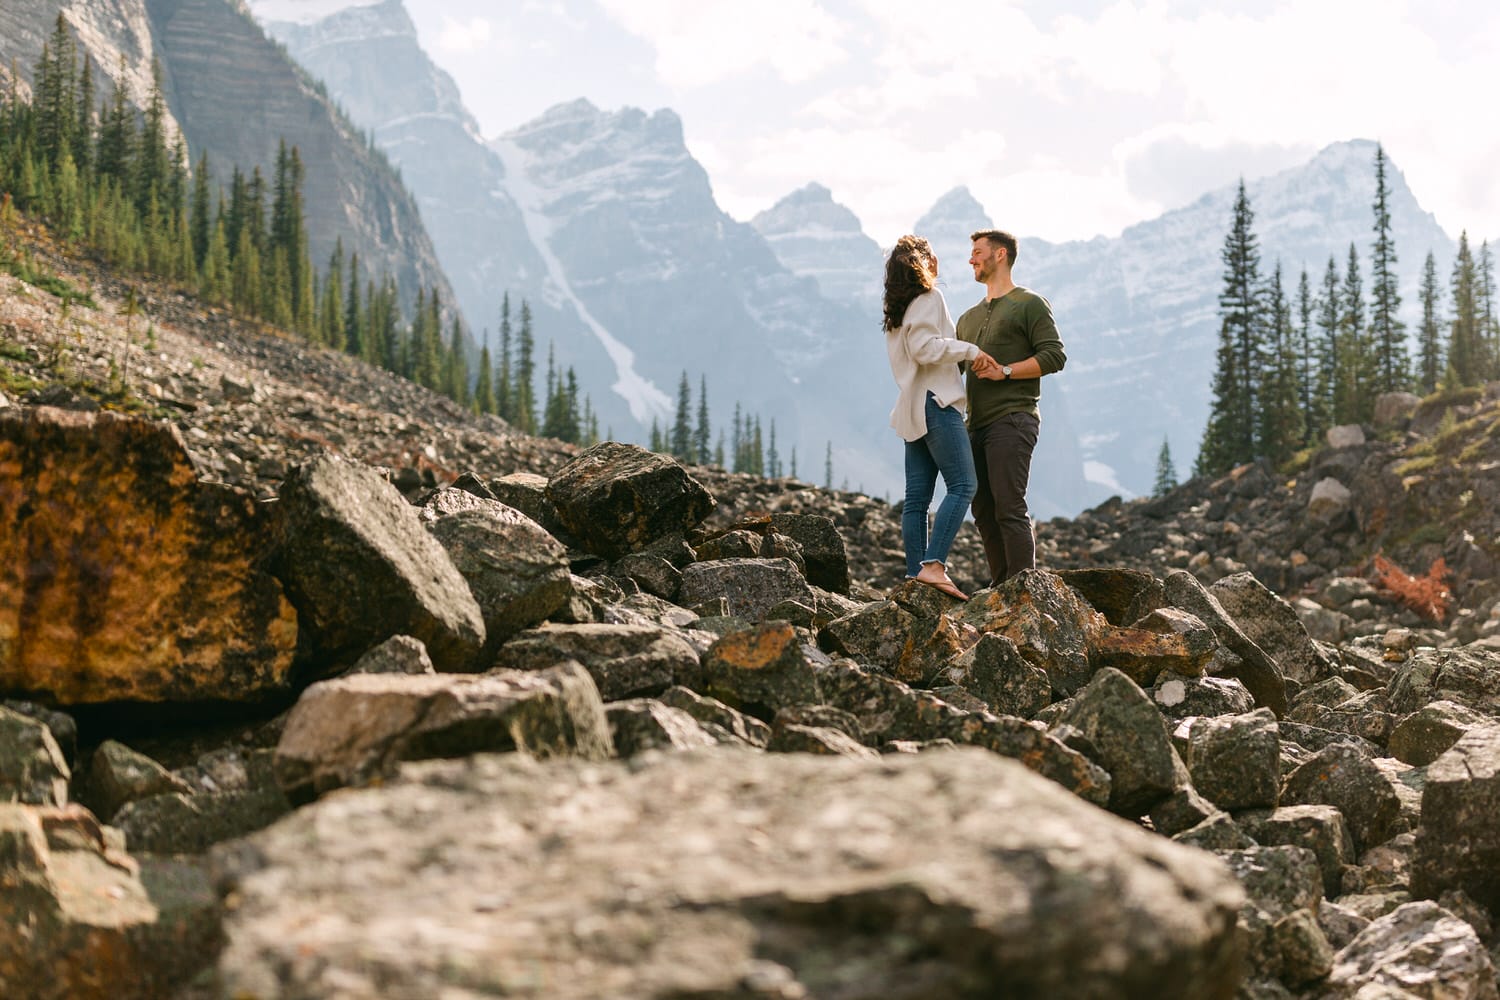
point(369, 59)
point(238, 95)
point(234, 95)
point(116, 35)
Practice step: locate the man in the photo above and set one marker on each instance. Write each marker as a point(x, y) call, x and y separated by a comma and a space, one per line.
point(1014, 326)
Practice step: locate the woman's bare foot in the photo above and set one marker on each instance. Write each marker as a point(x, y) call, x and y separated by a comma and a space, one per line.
point(935, 576)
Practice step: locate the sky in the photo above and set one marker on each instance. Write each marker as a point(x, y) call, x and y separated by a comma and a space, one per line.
point(1067, 119)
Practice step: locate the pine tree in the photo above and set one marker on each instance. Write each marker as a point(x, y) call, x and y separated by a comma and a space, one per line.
point(504, 394)
point(484, 381)
point(1391, 366)
point(330, 324)
point(355, 341)
point(1464, 349)
point(1484, 295)
point(114, 153)
point(202, 213)
point(1229, 438)
point(828, 467)
point(1166, 472)
point(152, 165)
point(82, 144)
point(682, 428)
point(773, 458)
point(737, 442)
point(656, 441)
point(456, 366)
point(1430, 360)
point(214, 285)
point(794, 462)
point(1353, 370)
point(572, 419)
point(1314, 416)
point(523, 387)
point(702, 439)
point(1280, 427)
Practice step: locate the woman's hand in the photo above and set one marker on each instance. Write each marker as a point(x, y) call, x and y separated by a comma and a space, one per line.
point(985, 366)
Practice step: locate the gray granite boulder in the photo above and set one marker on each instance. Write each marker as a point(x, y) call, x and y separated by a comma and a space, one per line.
point(117, 774)
point(1129, 740)
point(1235, 760)
point(1458, 842)
point(617, 498)
point(766, 877)
point(355, 729)
point(625, 661)
point(750, 586)
point(1271, 623)
point(1178, 696)
point(641, 724)
point(1259, 673)
point(823, 550)
point(1320, 829)
point(359, 567)
point(32, 769)
point(1417, 950)
point(1426, 734)
point(994, 671)
point(1341, 776)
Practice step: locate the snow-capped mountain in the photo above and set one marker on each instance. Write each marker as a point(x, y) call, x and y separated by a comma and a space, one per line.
point(1139, 313)
point(815, 236)
point(368, 56)
point(627, 222)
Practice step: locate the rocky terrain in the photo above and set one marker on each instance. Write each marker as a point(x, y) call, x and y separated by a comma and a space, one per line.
point(315, 685)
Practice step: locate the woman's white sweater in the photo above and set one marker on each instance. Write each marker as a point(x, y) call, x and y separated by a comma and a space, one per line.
point(924, 357)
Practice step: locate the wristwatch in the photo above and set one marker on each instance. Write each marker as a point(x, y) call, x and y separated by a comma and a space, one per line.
point(1005, 370)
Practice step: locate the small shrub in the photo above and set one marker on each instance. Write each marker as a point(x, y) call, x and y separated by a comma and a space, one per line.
point(1428, 595)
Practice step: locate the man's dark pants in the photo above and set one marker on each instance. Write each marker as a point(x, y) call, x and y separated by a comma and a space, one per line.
point(1002, 463)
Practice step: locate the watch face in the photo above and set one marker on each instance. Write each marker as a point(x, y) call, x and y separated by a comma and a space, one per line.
point(1005, 369)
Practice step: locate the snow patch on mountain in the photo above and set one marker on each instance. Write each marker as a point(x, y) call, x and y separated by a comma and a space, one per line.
point(303, 11)
point(645, 400)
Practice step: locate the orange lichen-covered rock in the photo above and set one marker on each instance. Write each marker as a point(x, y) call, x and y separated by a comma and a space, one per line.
point(124, 578)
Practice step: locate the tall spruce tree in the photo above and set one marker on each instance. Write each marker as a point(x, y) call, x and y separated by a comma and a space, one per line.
point(1166, 471)
point(682, 428)
point(1314, 416)
point(1280, 419)
point(1353, 361)
point(1484, 295)
point(1390, 363)
point(1229, 438)
point(1430, 360)
point(504, 379)
point(524, 385)
point(701, 434)
point(1465, 353)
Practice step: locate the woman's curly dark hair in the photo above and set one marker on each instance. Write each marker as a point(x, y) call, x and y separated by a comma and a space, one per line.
point(906, 277)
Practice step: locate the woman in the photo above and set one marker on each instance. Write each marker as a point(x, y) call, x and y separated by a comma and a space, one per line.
point(929, 413)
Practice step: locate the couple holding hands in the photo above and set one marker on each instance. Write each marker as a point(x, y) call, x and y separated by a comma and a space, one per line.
point(987, 372)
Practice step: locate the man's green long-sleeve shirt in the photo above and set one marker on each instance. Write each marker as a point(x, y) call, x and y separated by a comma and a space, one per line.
point(1016, 326)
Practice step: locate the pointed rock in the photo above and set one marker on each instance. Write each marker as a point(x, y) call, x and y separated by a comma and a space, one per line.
point(618, 498)
point(360, 568)
point(625, 660)
point(1049, 622)
point(1252, 666)
point(1131, 742)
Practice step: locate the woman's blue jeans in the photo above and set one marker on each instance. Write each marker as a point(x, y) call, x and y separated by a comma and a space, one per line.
point(944, 449)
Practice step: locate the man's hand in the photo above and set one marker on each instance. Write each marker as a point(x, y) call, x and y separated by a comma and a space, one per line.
point(985, 366)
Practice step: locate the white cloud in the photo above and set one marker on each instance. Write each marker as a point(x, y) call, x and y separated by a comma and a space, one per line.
point(464, 36)
point(700, 42)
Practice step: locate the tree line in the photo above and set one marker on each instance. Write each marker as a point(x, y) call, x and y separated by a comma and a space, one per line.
point(1293, 362)
point(112, 179)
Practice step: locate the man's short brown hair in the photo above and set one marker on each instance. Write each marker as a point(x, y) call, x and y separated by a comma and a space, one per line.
point(998, 238)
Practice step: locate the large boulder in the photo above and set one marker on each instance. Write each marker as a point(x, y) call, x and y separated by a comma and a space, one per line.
point(751, 587)
point(357, 728)
point(1339, 775)
point(1417, 950)
point(617, 498)
point(360, 567)
point(125, 578)
point(1251, 666)
point(1271, 623)
point(1458, 842)
point(77, 920)
point(1128, 738)
point(1235, 760)
point(626, 661)
point(32, 768)
point(1051, 625)
point(823, 551)
point(517, 572)
point(952, 874)
point(758, 671)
